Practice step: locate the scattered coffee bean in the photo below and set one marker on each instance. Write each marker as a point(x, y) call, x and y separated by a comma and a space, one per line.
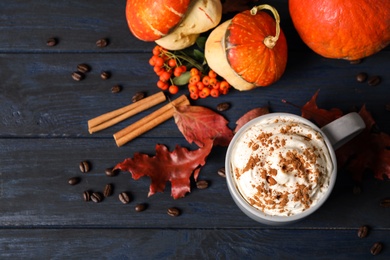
point(116, 89)
point(124, 197)
point(387, 107)
point(363, 231)
point(385, 203)
point(96, 197)
point(77, 75)
point(140, 207)
point(173, 212)
point(101, 43)
point(87, 195)
point(74, 180)
point(376, 248)
point(222, 172)
point(51, 42)
point(355, 61)
point(138, 96)
point(202, 184)
point(105, 75)
point(83, 68)
point(108, 190)
point(223, 106)
point(85, 166)
point(361, 77)
point(374, 81)
point(111, 172)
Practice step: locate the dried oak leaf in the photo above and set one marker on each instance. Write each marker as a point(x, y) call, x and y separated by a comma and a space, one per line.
point(199, 124)
point(368, 151)
point(248, 116)
point(176, 166)
point(321, 116)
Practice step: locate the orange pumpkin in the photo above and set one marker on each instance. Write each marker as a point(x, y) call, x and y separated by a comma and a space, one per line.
point(150, 20)
point(342, 29)
point(249, 50)
point(173, 24)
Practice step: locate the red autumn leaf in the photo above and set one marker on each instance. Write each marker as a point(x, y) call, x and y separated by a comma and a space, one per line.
point(248, 116)
point(176, 166)
point(199, 124)
point(321, 116)
point(368, 151)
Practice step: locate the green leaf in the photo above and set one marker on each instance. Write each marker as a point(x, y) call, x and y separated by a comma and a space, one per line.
point(199, 56)
point(182, 79)
point(201, 42)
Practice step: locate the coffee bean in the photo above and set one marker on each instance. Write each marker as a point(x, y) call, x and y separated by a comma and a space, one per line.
point(87, 195)
point(173, 212)
point(138, 96)
point(83, 68)
point(202, 184)
point(96, 197)
point(74, 180)
point(101, 43)
point(84, 166)
point(385, 203)
point(108, 190)
point(363, 231)
point(105, 75)
point(222, 172)
point(355, 61)
point(376, 248)
point(51, 42)
point(116, 89)
point(387, 107)
point(223, 106)
point(77, 75)
point(140, 207)
point(374, 81)
point(111, 172)
point(361, 77)
point(124, 197)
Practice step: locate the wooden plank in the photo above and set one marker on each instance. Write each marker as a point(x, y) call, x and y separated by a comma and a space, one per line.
point(35, 192)
point(39, 97)
point(190, 244)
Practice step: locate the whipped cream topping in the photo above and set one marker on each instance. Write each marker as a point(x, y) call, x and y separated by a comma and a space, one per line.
point(281, 166)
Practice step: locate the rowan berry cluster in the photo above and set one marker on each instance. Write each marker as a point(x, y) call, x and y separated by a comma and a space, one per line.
point(202, 86)
point(167, 65)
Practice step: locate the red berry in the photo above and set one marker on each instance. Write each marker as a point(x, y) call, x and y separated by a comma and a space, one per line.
point(177, 71)
point(173, 89)
point(172, 63)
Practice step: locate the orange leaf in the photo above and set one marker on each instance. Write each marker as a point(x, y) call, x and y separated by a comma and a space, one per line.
point(321, 116)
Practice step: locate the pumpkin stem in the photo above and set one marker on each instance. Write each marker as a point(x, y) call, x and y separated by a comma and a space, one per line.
point(269, 41)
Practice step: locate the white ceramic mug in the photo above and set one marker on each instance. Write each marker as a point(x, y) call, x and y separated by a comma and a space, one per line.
point(333, 135)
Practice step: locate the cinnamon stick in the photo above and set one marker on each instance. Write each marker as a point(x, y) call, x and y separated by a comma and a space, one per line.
point(108, 119)
point(149, 122)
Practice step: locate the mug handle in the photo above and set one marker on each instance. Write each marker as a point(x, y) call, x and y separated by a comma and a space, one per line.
point(343, 129)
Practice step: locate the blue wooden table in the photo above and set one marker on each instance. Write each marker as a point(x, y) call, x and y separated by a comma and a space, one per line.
point(44, 137)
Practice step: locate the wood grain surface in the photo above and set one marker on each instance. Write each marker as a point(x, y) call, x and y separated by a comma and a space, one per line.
point(44, 136)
